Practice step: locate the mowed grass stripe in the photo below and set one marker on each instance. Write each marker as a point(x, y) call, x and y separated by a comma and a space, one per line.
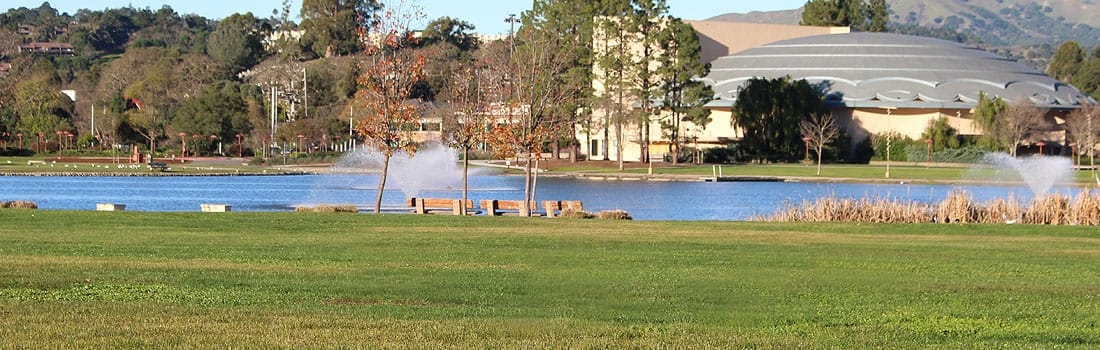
point(284, 279)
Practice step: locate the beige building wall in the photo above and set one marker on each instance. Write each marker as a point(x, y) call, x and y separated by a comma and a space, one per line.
point(863, 122)
point(721, 38)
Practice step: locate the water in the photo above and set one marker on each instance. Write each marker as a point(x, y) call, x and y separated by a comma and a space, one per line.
point(644, 200)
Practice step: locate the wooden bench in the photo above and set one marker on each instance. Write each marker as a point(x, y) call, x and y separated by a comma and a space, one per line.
point(554, 208)
point(434, 205)
point(494, 207)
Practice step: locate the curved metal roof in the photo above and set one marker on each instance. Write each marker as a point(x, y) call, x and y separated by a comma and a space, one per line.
point(892, 70)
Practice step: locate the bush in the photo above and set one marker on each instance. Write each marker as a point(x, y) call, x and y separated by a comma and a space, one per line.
point(575, 214)
point(614, 215)
point(328, 209)
point(723, 155)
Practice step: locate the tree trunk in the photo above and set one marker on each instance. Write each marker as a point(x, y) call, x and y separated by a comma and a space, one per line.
point(382, 184)
point(819, 159)
point(619, 144)
point(465, 176)
point(527, 188)
point(534, 186)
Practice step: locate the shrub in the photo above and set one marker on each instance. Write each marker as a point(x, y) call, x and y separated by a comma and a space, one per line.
point(614, 215)
point(328, 209)
point(576, 214)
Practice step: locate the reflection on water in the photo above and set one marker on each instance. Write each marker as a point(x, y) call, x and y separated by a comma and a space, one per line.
point(644, 200)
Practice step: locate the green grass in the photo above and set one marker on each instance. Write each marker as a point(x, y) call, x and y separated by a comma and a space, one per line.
point(291, 280)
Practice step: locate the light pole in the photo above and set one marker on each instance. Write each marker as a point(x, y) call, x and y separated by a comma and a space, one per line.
point(928, 159)
point(1073, 152)
point(20, 136)
point(239, 152)
point(1041, 144)
point(41, 147)
point(300, 138)
point(213, 139)
point(69, 136)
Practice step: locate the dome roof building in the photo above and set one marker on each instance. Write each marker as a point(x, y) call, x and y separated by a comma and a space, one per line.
point(859, 70)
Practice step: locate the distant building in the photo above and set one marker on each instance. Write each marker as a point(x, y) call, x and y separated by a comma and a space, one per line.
point(873, 82)
point(52, 49)
point(24, 29)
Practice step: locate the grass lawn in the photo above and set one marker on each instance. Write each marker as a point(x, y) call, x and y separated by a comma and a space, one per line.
point(292, 280)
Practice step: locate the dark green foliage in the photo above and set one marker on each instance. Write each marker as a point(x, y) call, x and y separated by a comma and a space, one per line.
point(452, 31)
point(218, 109)
point(721, 155)
point(683, 95)
point(1066, 62)
point(986, 117)
point(331, 25)
point(872, 16)
point(942, 134)
point(768, 111)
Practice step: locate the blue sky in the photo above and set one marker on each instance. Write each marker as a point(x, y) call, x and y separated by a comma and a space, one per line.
point(487, 15)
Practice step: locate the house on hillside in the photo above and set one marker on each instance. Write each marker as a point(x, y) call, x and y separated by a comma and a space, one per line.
point(51, 49)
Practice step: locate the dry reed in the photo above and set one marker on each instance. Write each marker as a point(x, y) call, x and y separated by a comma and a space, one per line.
point(957, 207)
point(18, 205)
point(575, 214)
point(328, 209)
point(614, 215)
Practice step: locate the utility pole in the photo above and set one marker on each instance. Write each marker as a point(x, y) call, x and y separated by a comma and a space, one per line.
point(305, 94)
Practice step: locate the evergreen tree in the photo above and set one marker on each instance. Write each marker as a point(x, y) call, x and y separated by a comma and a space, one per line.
point(1066, 62)
point(986, 116)
point(332, 24)
point(767, 114)
point(683, 95)
point(871, 17)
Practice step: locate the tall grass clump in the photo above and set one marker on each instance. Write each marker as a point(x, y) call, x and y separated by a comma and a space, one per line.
point(328, 209)
point(18, 205)
point(959, 207)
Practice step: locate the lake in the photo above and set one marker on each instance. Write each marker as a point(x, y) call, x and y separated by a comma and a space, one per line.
point(645, 200)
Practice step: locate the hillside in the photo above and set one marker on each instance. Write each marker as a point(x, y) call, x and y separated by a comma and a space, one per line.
point(1025, 30)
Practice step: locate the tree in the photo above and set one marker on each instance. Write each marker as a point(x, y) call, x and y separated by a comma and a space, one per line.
point(222, 109)
point(682, 95)
point(1083, 127)
point(871, 17)
point(986, 116)
point(820, 129)
point(572, 21)
point(1066, 61)
point(393, 67)
point(614, 66)
point(1087, 77)
point(466, 120)
point(532, 95)
point(450, 30)
point(767, 113)
point(650, 23)
point(235, 49)
point(942, 134)
point(331, 24)
point(1019, 124)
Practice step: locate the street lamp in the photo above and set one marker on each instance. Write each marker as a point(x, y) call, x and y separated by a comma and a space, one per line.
point(300, 138)
point(1073, 152)
point(183, 144)
point(4, 142)
point(928, 142)
point(1041, 144)
point(239, 152)
point(20, 136)
point(806, 141)
point(41, 148)
point(69, 135)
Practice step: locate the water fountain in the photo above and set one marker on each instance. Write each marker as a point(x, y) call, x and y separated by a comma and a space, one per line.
point(433, 167)
point(1040, 174)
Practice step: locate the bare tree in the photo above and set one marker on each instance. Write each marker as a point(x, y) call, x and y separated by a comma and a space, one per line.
point(819, 129)
point(466, 118)
point(1020, 123)
point(1083, 127)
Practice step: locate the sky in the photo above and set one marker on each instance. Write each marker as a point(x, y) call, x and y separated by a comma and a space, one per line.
point(487, 16)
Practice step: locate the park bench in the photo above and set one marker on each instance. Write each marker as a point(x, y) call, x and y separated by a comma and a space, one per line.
point(158, 166)
point(554, 208)
point(440, 205)
point(494, 207)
